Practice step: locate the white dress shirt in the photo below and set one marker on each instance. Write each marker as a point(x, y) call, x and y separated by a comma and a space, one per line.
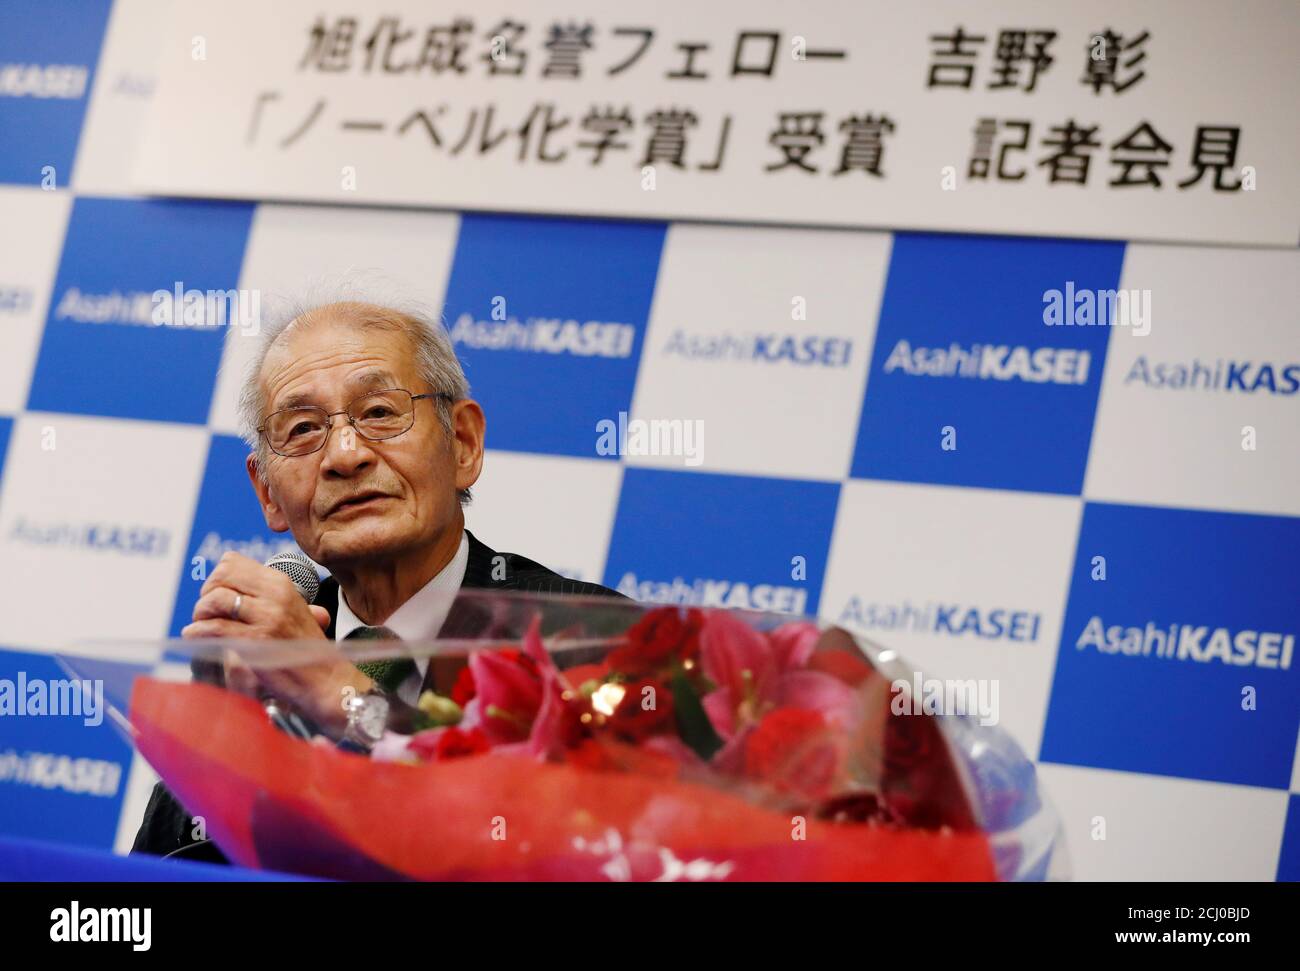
point(420, 618)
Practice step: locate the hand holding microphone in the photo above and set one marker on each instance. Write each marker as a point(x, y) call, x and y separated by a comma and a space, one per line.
point(245, 599)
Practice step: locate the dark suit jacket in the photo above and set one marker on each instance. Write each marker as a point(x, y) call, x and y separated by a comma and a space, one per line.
point(167, 828)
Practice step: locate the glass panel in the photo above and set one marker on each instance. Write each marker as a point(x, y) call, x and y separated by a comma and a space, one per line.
point(608, 733)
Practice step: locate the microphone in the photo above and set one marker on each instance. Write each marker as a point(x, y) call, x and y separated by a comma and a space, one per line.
point(299, 569)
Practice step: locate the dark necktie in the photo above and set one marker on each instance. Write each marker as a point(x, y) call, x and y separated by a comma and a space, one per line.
point(388, 674)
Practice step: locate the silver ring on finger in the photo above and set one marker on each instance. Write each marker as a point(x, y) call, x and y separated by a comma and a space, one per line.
point(239, 602)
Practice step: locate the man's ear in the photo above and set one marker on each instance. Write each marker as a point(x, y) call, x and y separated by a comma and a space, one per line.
point(274, 517)
point(469, 427)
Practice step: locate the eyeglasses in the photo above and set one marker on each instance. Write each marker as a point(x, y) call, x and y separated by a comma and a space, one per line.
point(376, 416)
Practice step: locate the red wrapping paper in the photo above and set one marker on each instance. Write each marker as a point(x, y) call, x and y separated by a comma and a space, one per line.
point(275, 802)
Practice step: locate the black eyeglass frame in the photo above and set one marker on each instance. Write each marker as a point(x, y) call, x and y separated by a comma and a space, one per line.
point(346, 412)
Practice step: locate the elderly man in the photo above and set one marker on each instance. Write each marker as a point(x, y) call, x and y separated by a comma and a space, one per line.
point(365, 444)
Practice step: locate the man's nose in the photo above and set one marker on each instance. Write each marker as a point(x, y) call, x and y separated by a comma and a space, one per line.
point(346, 452)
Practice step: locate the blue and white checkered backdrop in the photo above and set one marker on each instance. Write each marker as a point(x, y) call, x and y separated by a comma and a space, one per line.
point(1111, 530)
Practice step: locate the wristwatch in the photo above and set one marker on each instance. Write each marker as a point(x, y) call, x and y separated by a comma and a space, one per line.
point(367, 720)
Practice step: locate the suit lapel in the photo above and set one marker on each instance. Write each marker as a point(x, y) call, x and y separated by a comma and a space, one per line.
point(465, 618)
point(478, 569)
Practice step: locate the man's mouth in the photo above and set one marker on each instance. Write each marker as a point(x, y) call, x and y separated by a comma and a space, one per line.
point(363, 500)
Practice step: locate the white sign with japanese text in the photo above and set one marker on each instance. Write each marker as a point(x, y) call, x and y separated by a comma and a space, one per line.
point(1169, 119)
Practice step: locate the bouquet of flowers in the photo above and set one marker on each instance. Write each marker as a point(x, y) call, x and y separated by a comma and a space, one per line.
point(611, 741)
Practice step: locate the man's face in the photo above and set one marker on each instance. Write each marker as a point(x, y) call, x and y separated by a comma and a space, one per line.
point(356, 500)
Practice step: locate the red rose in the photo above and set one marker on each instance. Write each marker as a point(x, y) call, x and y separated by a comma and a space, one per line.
point(580, 674)
point(656, 640)
point(920, 784)
point(694, 623)
point(645, 709)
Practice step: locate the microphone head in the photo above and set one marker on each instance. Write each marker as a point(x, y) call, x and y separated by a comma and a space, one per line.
point(298, 568)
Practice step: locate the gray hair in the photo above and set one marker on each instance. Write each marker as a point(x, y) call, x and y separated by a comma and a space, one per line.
point(436, 360)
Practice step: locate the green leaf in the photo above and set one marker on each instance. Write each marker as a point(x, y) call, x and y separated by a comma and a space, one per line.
point(692, 723)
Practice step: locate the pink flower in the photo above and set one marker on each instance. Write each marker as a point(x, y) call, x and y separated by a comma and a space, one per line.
point(508, 695)
point(757, 673)
point(521, 702)
point(558, 725)
point(794, 643)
